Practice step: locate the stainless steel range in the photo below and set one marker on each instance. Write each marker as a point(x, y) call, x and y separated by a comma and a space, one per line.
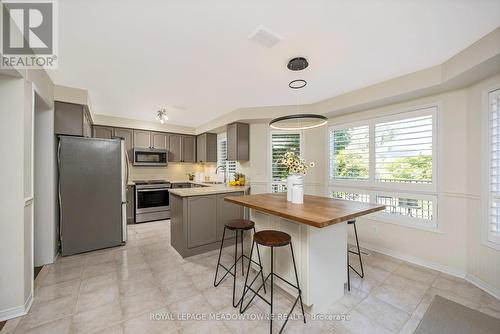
point(152, 200)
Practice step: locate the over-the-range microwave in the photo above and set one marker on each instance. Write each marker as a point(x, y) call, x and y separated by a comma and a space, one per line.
point(150, 157)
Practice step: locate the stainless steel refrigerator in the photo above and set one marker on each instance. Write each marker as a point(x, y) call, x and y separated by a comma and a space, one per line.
point(92, 193)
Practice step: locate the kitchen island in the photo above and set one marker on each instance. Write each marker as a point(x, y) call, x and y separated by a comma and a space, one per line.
point(319, 237)
point(198, 216)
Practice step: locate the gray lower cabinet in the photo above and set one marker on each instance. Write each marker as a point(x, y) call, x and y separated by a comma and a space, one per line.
point(202, 220)
point(225, 212)
point(197, 222)
point(130, 204)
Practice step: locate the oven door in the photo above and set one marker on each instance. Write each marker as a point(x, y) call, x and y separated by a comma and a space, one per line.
point(151, 200)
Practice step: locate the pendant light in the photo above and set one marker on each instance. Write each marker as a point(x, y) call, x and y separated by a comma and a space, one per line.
point(298, 121)
point(161, 115)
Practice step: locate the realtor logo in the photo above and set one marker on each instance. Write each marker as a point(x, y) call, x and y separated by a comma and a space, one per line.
point(28, 38)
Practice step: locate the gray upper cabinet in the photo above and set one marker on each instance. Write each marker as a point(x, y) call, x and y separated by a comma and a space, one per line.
point(181, 148)
point(71, 119)
point(206, 147)
point(159, 140)
point(104, 132)
point(128, 136)
point(238, 142)
point(175, 148)
point(142, 139)
point(188, 149)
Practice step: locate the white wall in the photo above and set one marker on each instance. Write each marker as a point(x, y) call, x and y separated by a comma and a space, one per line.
point(15, 259)
point(46, 218)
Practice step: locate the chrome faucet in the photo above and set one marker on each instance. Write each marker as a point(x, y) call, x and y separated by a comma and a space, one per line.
point(225, 173)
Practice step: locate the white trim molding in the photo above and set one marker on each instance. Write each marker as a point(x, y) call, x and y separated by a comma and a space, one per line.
point(17, 311)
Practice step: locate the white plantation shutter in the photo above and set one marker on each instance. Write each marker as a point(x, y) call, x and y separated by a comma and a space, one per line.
point(349, 153)
point(222, 156)
point(280, 144)
point(403, 150)
point(494, 124)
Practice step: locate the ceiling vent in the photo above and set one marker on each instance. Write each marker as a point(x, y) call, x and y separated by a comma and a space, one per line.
point(264, 37)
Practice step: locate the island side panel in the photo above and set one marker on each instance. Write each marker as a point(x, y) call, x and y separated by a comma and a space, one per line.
point(178, 221)
point(327, 265)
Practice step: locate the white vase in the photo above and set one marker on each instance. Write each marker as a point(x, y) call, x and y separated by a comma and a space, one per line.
point(290, 181)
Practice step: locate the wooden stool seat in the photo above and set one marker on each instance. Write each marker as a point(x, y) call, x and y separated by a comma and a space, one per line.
point(271, 238)
point(239, 224)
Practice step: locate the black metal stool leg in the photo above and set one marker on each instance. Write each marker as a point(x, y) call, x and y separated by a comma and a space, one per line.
point(348, 271)
point(218, 260)
point(272, 284)
point(246, 279)
point(298, 286)
point(242, 257)
point(260, 263)
point(359, 250)
point(235, 265)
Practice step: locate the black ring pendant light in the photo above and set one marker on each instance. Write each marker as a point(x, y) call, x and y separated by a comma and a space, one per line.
point(297, 84)
point(298, 121)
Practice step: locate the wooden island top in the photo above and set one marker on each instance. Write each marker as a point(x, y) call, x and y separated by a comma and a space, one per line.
point(316, 211)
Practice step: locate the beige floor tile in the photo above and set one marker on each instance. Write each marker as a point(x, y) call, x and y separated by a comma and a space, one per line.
point(417, 273)
point(204, 327)
point(47, 312)
point(453, 296)
point(141, 303)
point(384, 262)
point(384, 314)
point(348, 302)
point(115, 329)
point(151, 323)
point(95, 298)
point(139, 282)
point(58, 290)
point(103, 257)
point(197, 303)
point(205, 280)
point(410, 326)
point(99, 282)
point(98, 318)
point(61, 326)
point(57, 274)
point(178, 290)
point(359, 324)
point(99, 268)
point(459, 287)
point(241, 324)
point(405, 300)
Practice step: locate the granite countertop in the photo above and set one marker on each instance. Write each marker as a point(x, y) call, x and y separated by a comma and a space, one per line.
point(208, 189)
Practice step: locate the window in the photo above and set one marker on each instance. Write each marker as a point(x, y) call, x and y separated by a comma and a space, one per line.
point(222, 157)
point(349, 158)
point(403, 150)
point(388, 160)
point(282, 142)
point(493, 221)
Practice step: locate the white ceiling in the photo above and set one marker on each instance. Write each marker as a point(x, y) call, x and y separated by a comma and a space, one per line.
point(195, 57)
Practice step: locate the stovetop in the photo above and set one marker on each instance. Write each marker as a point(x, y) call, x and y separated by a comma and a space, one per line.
point(143, 182)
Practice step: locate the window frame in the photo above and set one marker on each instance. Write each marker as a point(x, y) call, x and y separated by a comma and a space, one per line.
point(486, 236)
point(220, 138)
point(270, 155)
point(395, 189)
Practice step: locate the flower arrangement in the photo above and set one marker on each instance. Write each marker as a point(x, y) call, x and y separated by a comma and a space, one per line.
point(295, 163)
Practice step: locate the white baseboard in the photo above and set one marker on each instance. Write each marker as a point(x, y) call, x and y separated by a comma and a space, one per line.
point(17, 311)
point(439, 267)
point(495, 292)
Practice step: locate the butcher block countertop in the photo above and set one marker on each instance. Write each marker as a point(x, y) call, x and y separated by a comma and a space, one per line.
point(316, 211)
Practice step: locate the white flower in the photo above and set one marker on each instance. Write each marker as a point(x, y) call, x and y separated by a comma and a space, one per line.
point(312, 164)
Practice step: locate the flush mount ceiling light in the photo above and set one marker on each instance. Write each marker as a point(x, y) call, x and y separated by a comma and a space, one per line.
point(161, 115)
point(298, 122)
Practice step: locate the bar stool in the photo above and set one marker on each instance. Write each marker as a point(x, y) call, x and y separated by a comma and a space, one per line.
point(358, 253)
point(236, 225)
point(271, 238)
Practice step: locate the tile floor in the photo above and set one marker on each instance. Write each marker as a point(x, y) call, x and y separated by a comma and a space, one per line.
point(118, 290)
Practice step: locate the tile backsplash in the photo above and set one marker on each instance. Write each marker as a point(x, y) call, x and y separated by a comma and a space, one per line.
point(173, 172)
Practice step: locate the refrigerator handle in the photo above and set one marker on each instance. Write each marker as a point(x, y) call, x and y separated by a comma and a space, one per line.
point(59, 190)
